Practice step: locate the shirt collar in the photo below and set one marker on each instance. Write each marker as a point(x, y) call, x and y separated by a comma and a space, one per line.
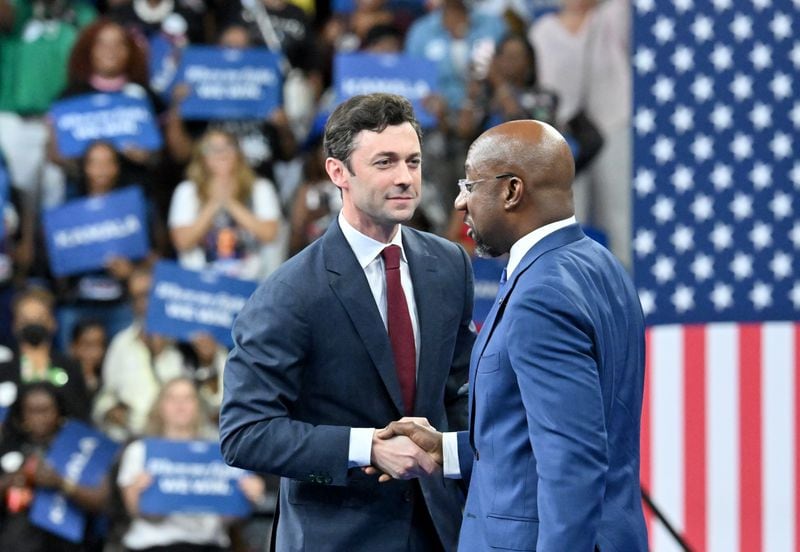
point(526, 242)
point(365, 248)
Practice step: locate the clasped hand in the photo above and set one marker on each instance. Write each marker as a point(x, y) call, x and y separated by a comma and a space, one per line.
point(405, 449)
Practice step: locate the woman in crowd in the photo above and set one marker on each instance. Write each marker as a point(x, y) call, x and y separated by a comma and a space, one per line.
point(88, 345)
point(176, 415)
point(223, 217)
point(33, 422)
point(101, 293)
point(107, 59)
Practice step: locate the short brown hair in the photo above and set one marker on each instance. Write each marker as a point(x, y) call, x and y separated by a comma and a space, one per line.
point(365, 112)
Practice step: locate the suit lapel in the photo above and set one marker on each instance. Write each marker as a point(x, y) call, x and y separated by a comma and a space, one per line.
point(427, 295)
point(348, 282)
point(552, 241)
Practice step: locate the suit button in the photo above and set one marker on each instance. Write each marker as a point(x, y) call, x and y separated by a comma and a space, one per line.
point(408, 496)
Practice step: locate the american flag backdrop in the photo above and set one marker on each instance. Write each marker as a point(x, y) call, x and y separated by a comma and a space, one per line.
point(716, 237)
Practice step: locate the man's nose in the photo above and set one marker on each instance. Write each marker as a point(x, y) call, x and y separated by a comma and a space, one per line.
point(460, 202)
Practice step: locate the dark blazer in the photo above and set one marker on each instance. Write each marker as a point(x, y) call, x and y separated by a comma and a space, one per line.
point(557, 378)
point(312, 359)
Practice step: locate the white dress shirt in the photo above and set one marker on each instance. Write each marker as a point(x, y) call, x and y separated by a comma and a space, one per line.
point(368, 253)
point(451, 467)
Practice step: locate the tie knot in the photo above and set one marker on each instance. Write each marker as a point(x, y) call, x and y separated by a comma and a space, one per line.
point(391, 256)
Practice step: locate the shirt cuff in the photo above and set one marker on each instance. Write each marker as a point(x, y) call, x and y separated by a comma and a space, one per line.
point(360, 452)
point(451, 468)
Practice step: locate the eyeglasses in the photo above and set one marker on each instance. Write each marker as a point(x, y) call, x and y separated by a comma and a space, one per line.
point(465, 186)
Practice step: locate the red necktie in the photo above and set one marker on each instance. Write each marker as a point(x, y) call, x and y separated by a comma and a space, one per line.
point(401, 333)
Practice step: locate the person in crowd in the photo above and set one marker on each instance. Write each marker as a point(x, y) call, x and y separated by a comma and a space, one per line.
point(328, 348)
point(285, 29)
point(138, 363)
point(223, 216)
point(35, 40)
point(33, 422)
point(106, 58)
point(10, 208)
point(316, 203)
point(176, 415)
point(584, 57)
point(36, 358)
point(264, 142)
point(460, 42)
point(558, 368)
point(146, 17)
point(347, 32)
point(509, 92)
point(101, 293)
point(88, 345)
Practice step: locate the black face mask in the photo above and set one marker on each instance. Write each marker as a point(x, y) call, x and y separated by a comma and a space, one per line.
point(34, 334)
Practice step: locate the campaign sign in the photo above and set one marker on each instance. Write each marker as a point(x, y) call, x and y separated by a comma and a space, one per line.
point(487, 282)
point(185, 302)
point(163, 65)
point(409, 76)
point(123, 120)
point(227, 83)
point(83, 234)
point(349, 6)
point(83, 455)
point(191, 477)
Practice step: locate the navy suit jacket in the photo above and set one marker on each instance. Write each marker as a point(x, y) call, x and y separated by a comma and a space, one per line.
point(312, 359)
point(556, 382)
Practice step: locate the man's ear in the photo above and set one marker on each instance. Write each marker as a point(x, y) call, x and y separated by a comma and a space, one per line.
point(513, 192)
point(337, 172)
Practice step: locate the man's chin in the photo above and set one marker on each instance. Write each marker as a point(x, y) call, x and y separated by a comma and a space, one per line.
point(485, 252)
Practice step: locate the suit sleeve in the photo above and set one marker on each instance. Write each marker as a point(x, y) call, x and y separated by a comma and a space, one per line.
point(456, 392)
point(262, 379)
point(552, 354)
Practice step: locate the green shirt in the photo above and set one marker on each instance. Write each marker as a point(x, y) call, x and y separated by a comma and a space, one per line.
point(34, 56)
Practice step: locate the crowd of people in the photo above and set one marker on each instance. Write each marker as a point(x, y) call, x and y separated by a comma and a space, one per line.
point(239, 197)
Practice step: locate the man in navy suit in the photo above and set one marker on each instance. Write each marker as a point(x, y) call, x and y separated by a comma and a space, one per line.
point(314, 368)
point(557, 372)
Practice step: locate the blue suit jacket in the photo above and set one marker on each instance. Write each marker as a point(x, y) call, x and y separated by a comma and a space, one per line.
point(312, 359)
point(556, 382)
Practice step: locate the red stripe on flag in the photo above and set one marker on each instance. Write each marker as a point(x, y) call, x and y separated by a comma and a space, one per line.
point(750, 526)
point(644, 443)
point(694, 435)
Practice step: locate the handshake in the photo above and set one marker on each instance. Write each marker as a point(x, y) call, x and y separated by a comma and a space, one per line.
point(405, 449)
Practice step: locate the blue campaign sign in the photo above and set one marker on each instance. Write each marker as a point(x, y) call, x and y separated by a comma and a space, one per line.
point(412, 77)
point(124, 120)
point(349, 6)
point(83, 455)
point(487, 281)
point(83, 234)
point(226, 83)
point(163, 64)
point(191, 477)
point(185, 302)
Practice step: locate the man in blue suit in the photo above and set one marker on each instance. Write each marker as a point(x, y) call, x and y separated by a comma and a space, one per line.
point(557, 371)
point(323, 356)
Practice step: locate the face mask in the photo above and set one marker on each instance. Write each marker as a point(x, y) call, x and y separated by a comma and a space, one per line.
point(34, 334)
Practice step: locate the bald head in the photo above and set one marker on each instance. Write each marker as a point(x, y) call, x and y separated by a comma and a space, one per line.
point(533, 150)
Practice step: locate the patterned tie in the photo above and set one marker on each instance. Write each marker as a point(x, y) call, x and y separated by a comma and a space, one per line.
point(401, 333)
